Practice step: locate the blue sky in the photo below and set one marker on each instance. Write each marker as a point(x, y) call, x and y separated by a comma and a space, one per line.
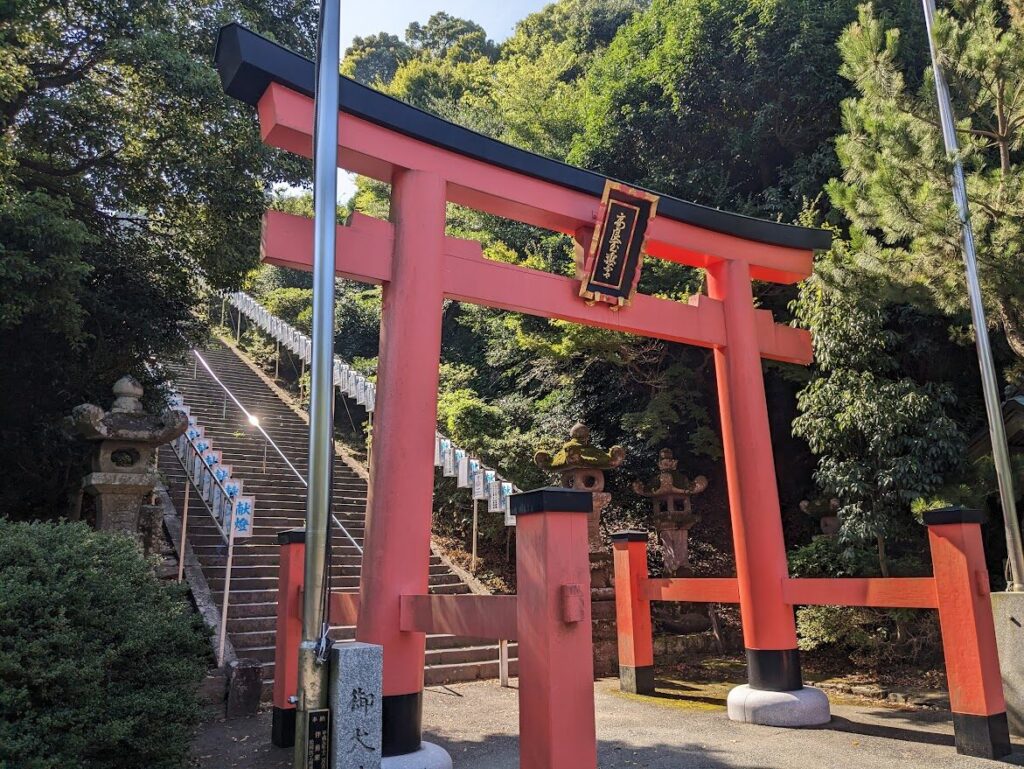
point(366, 17)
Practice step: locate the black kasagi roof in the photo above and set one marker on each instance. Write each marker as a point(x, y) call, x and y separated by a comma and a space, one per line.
point(248, 63)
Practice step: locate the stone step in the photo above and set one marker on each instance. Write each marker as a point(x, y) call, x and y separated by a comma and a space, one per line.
point(459, 672)
point(213, 543)
point(265, 637)
point(280, 506)
point(243, 582)
point(243, 595)
point(441, 657)
point(203, 525)
point(238, 624)
point(249, 610)
point(264, 555)
point(464, 654)
point(337, 569)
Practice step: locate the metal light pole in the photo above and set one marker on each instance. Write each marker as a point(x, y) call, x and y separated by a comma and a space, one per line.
point(312, 693)
point(993, 403)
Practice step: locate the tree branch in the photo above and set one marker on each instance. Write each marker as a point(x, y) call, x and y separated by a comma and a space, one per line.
point(1011, 327)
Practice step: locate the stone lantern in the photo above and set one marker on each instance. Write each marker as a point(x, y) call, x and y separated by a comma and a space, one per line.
point(579, 465)
point(827, 513)
point(123, 465)
point(670, 493)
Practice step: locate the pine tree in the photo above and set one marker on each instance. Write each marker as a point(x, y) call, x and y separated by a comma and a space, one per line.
point(895, 187)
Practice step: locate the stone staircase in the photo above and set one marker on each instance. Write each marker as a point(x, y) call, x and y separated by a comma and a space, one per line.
point(280, 505)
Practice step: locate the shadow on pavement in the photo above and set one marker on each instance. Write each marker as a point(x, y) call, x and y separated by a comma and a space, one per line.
point(679, 692)
point(501, 751)
point(867, 729)
point(915, 729)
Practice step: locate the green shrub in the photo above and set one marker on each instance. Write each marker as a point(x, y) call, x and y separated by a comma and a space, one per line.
point(100, 662)
point(259, 347)
point(289, 304)
point(874, 638)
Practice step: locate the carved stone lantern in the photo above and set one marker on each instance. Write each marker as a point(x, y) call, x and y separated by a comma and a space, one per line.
point(580, 465)
point(827, 513)
point(123, 465)
point(670, 492)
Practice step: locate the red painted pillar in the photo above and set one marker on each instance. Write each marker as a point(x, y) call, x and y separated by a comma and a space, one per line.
point(633, 613)
point(290, 575)
point(769, 627)
point(396, 558)
point(968, 632)
point(556, 658)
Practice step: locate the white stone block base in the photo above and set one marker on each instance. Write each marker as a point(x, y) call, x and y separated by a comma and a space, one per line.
point(429, 756)
point(805, 707)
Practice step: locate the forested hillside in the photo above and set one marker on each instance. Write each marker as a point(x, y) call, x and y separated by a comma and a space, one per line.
point(126, 175)
point(128, 180)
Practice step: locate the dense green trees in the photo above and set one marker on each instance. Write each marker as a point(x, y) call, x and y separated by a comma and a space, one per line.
point(895, 174)
point(877, 411)
point(126, 175)
point(752, 105)
point(785, 109)
point(728, 103)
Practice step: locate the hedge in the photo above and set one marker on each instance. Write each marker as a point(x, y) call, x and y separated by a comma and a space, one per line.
point(100, 662)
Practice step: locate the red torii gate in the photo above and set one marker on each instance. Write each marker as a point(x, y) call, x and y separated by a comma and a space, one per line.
point(429, 163)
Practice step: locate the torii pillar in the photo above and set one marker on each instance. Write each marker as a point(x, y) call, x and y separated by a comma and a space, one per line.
point(401, 490)
point(774, 693)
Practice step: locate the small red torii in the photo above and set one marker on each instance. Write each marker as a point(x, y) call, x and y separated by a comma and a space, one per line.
point(429, 163)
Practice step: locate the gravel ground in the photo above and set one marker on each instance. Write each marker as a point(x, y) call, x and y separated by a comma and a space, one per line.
point(683, 727)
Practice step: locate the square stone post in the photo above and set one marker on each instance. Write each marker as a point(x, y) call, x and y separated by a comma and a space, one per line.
point(556, 665)
point(355, 701)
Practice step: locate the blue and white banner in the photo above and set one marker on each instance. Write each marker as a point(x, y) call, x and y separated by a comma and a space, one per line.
point(244, 515)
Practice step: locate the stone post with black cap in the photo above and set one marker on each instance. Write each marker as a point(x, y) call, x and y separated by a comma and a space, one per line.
point(557, 727)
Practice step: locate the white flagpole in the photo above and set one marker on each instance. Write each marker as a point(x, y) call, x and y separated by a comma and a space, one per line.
point(312, 694)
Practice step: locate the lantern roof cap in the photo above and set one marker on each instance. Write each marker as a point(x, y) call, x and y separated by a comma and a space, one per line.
point(578, 454)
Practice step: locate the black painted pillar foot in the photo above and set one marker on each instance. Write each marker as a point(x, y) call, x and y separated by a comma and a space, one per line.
point(403, 723)
point(636, 680)
point(982, 736)
point(774, 670)
point(282, 728)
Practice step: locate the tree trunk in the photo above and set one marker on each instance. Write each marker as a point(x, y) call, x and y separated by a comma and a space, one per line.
point(883, 558)
point(1012, 327)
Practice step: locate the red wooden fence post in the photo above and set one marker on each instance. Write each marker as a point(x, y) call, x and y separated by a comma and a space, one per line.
point(289, 634)
point(556, 659)
point(633, 613)
point(968, 632)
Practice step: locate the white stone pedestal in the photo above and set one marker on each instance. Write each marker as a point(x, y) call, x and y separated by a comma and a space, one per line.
point(429, 756)
point(804, 707)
